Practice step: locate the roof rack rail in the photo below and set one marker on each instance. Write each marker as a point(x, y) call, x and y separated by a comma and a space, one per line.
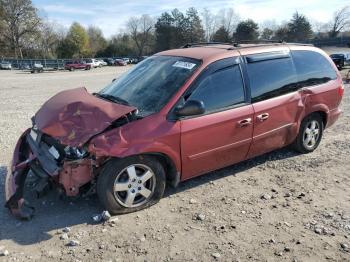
point(238, 44)
point(188, 45)
point(260, 41)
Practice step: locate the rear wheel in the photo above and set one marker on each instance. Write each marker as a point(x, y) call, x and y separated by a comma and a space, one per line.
point(71, 69)
point(310, 134)
point(131, 184)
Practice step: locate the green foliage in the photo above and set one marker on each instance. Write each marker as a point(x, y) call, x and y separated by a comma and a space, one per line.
point(246, 30)
point(222, 35)
point(24, 33)
point(194, 31)
point(299, 28)
point(176, 29)
point(65, 49)
point(164, 31)
point(282, 33)
point(120, 45)
point(267, 34)
point(97, 41)
point(78, 40)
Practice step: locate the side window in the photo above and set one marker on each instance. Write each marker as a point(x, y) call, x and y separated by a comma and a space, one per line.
point(271, 78)
point(221, 89)
point(312, 68)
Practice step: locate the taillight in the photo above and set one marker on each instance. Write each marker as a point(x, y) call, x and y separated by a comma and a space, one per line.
point(341, 91)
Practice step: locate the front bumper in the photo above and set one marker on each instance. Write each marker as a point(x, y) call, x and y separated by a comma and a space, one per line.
point(32, 153)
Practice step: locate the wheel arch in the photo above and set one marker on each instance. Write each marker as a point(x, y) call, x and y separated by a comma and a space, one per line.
point(320, 109)
point(322, 113)
point(172, 174)
point(171, 171)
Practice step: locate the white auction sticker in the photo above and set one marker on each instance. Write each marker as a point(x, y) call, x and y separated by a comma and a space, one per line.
point(185, 65)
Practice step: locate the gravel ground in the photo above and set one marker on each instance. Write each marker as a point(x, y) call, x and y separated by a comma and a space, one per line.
point(281, 206)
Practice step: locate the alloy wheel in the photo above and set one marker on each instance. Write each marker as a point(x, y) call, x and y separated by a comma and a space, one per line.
point(134, 185)
point(311, 134)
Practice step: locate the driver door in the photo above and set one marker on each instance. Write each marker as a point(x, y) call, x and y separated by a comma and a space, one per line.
point(223, 134)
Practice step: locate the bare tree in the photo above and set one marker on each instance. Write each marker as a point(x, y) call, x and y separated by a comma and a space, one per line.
point(96, 39)
point(50, 35)
point(141, 31)
point(209, 24)
point(341, 20)
point(229, 19)
point(20, 20)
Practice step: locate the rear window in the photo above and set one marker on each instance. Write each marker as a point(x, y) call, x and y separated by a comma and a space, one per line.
point(272, 77)
point(312, 68)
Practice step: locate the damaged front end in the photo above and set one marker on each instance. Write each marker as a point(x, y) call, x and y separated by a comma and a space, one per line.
point(50, 163)
point(55, 149)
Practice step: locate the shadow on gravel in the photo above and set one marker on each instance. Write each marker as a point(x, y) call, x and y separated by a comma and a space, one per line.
point(52, 213)
point(232, 170)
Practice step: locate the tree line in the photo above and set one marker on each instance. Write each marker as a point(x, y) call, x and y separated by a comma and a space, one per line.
point(23, 33)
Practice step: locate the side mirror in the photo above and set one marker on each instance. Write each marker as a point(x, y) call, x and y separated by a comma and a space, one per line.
point(190, 108)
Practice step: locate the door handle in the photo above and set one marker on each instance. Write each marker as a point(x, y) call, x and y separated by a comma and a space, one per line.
point(263, 117)
point(245, 122)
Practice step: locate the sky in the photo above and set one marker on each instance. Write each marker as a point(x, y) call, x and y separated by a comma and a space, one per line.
point(111, 15)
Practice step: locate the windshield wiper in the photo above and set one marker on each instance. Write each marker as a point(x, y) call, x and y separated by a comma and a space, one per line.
point(112, 98)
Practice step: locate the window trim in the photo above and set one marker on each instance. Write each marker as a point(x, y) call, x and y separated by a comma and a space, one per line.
point(267, 57)
point(208, 70)
point(259, 57)
point(298, 75)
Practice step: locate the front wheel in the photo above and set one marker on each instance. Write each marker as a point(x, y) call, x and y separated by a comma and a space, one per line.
point(310, 134)
point(131, 184)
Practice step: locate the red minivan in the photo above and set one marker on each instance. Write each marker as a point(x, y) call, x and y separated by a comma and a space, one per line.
point(176, 115)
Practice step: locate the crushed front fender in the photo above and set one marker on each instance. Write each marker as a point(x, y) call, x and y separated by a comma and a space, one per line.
point(15, 180)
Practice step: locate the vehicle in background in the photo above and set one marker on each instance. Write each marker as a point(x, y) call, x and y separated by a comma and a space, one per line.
point(339, 60)
point(102, 63)
point(5, 65)
point(73, 65)
point(120, 62)
point(127, 60)
point(109, 61)
point(37, 68)
point(134, 61)
point(347, 59)
point(94, 63)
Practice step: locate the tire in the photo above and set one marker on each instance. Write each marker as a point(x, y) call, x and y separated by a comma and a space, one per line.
point(303, 142)
point(117, 172)
point(71, 69)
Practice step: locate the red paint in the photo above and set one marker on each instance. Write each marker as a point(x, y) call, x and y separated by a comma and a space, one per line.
point(195, 145)
point(74, 116)
point(214, 141)
point(77, 65)
point(74, 175)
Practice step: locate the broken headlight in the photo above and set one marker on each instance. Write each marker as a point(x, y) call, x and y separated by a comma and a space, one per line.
point(75, 152)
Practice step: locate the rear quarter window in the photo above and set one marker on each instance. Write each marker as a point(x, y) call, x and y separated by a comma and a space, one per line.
point(312, 68)
point(272, 77)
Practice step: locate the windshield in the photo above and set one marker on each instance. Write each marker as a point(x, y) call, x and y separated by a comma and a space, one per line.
point(151, 83)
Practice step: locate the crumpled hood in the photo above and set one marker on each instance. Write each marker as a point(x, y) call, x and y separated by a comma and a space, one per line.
point(74, 116)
